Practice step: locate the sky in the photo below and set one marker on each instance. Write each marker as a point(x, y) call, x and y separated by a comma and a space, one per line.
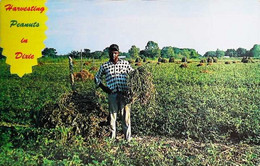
point(204, 25)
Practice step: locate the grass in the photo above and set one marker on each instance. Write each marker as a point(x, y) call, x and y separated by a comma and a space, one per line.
point(206, 115)
point(57, 150)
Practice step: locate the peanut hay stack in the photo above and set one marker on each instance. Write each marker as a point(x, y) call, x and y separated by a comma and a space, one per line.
point(79, 111)
point(141, 88)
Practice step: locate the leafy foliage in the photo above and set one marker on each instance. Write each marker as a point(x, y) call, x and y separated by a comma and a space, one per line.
point(231, 53)
point(167, 52)
point(217, 105)
point(80, 112)
point(152, 50)
point(134, 52)
point(255, 51)
point(141, 86)
point(50, 147)
point(49, 52)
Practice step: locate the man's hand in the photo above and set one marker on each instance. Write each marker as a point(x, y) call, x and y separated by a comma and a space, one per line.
point(105, 88)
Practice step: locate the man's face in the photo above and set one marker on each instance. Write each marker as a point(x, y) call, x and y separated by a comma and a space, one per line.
point(113, 55)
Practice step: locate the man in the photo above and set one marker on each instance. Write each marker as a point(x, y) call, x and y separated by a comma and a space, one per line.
point(116, 71)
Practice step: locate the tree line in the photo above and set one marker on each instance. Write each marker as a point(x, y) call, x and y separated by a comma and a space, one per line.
point(153, 51)
point(240, 52)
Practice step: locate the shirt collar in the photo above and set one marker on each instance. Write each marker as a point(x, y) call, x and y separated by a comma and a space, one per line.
point(119, 60)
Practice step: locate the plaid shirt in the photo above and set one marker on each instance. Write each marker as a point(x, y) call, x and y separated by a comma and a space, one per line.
point(116, 75)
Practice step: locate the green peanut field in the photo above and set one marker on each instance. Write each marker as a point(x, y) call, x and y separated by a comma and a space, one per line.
point(200, 115)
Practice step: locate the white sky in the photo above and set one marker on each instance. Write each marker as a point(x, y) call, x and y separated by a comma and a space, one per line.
point(204, 25)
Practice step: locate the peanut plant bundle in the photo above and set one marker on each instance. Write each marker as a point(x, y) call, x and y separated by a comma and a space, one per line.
point(141, 88)
point(78, 111)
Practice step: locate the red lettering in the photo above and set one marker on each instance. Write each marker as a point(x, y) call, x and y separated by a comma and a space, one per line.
point(24, 40)
point(8, 7)
point(20, 55)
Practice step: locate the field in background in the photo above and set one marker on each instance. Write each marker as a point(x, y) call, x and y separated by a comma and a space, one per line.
point(202, 115)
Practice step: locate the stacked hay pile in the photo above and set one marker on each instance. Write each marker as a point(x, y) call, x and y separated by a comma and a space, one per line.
point(184, 65)
point(141, 88)
point(83, 75)
point(205, 71)
point(171, 60)
point(247, 60)
point(184, 59)
point(210, 60)
point(244, 60)
point(78, 111)
point(138, 60)
point(93, 68)
point(215, 60)
point(138, 64)
point(203, 61)
point(250, 60)
point(131, 61)
point(164, 60)
point(86, 63)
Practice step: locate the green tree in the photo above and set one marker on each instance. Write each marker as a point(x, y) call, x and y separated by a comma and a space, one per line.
point(96, 54)
point(186, 53)
point(74, 54)
point(241, 52)
point(176, 50)
point(178, 56)
point(194, 54)
point(134, 52)
point(105, 53)
point(86, 53)
point(210, 54)
point(143, 54)
point(220, 53)
point(49, 52)
point(152, 50)
point(231, 53)
point(255, 51)
point(167, 52)
point(126, 54)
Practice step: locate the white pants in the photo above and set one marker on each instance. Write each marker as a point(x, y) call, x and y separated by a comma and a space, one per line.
point(117, 104)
